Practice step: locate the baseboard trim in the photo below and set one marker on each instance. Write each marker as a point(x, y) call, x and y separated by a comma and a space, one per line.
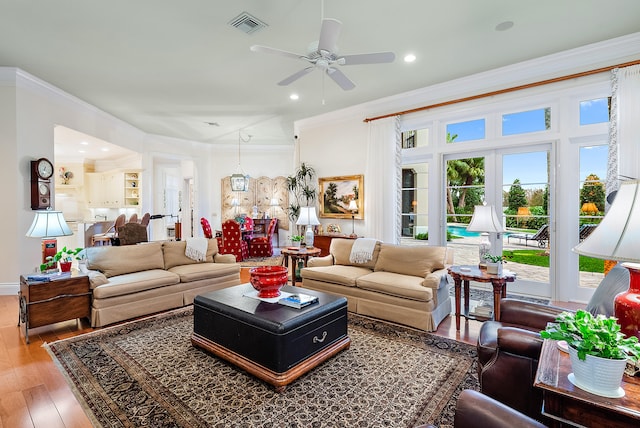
point(9, 289)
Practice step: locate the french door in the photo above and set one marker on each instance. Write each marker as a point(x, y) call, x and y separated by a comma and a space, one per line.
point(518, 183)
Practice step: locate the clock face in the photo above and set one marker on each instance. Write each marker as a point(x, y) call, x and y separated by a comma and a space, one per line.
point(45, 168)
point(43, 189)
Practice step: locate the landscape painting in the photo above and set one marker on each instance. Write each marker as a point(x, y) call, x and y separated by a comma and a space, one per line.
point(336, 194)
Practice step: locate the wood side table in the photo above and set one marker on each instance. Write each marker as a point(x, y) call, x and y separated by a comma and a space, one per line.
point(463, 274)
point(43, 303)
point(295, 255)
point(568, 405)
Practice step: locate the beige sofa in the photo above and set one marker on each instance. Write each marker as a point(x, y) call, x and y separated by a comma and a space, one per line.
point(403, 284)
point(134, 280)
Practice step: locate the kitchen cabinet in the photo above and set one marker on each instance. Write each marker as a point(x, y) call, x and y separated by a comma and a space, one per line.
point(113, 189)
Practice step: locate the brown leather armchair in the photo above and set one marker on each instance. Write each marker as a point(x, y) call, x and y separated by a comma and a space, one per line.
point(508, 354)
point(474, 410)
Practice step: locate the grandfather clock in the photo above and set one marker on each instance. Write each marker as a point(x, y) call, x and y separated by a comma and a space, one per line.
point(41, 172)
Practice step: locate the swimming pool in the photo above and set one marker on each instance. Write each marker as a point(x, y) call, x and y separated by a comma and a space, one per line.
point(461, 231)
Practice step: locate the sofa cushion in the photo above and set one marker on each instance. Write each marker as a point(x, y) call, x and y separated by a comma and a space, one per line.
point(174, 253)
point(340, 248)
point(337, 274)
point(418, 260)
point(119, 260)
point(196, 272)
point(135, 282)
point(406, 286)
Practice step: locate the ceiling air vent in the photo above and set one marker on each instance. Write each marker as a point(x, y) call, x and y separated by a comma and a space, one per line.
point(247, 23)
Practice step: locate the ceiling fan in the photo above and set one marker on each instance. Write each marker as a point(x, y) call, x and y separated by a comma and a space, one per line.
point(323, 55)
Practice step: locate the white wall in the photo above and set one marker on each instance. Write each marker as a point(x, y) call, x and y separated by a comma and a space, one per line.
point(29, 111)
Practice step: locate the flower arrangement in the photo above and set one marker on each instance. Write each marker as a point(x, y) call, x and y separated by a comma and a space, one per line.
point(65, 175)
point(296, 238)
point(64, 255)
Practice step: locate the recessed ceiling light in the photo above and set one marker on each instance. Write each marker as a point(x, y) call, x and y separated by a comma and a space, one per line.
point(409, 58)
point(82, 151)
point(504, 26)
point(294, 96)
point(84, 143)
point(105, 149)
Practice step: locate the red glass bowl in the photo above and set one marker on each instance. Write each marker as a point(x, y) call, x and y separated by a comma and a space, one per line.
point(268, 280)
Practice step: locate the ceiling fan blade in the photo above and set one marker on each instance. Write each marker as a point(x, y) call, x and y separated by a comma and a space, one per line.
point(340, 78)
point(371, 58)
point(295, 76)
point(329, 34)
point(267, 49)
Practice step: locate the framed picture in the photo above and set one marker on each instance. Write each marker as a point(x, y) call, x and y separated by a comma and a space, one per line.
point(337, 193)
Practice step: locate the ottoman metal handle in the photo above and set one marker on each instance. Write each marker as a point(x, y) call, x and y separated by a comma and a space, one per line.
point(324, 336)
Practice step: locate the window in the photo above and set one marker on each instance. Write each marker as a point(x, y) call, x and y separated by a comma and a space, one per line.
point(526, 121)
point(414, 201)
point(595, 111)
point(466, 131)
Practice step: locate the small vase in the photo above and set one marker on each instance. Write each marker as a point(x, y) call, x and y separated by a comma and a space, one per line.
point(65, 266)
point(599, 376)
point(494, 268)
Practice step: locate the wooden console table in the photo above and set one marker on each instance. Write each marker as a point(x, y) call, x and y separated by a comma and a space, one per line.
point(463, 274)
point(323, 241)
point(568, 405)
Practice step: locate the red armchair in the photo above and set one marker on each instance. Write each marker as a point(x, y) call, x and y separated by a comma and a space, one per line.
point(232, 242)
point(262, 246)
point(248, 228)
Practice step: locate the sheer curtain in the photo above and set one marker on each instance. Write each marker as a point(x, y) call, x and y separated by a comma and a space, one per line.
point(382, 180)
point(624, 133)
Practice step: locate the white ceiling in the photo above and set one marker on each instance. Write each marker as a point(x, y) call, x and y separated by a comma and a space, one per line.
point(168, 67)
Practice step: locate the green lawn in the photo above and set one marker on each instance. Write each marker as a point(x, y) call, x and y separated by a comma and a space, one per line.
point(538, 258)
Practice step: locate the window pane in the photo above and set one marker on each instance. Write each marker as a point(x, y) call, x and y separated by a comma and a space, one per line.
point(414, 201)
point(416, 138)
point(594, 111)
point(526, 121)
point(465, 131)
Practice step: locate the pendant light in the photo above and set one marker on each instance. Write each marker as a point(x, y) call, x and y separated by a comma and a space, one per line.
point(240, 180)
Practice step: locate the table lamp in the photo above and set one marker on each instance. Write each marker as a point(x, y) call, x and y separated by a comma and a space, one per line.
point(308, 217)
point(485, 220)
point(274, 203)
point(48, 224)
point(617, 237)
point(353, 207)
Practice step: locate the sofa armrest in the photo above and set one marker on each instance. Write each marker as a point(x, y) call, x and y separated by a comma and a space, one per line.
point(320, 261)
point(224, 258)
point(528, 314)
point(436, 279)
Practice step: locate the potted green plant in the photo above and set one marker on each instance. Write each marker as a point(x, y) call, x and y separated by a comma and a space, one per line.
point(598, 350)
point(494, 263)
point(296, 240)
point(64, 257)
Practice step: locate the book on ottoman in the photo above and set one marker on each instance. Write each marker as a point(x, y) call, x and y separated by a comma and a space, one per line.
point(298, 300)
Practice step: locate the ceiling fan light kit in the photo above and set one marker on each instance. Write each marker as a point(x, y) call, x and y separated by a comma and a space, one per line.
point(323, 55)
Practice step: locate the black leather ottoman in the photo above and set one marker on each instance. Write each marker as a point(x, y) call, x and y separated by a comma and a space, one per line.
point(273, 342)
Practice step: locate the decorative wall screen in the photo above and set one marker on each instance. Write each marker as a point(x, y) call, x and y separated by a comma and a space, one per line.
point(261, 191)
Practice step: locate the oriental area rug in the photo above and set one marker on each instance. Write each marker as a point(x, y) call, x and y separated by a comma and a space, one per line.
point(262, 261)
point(147, 373)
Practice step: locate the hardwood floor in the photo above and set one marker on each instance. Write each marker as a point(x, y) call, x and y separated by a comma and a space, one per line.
point(33, 392)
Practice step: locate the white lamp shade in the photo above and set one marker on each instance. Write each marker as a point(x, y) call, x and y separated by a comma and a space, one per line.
point(274, 202)
point(47, 224)
point(617, 237)
point(235, 202)
point(353, 206)
point(485, 219)
point(308, 216)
